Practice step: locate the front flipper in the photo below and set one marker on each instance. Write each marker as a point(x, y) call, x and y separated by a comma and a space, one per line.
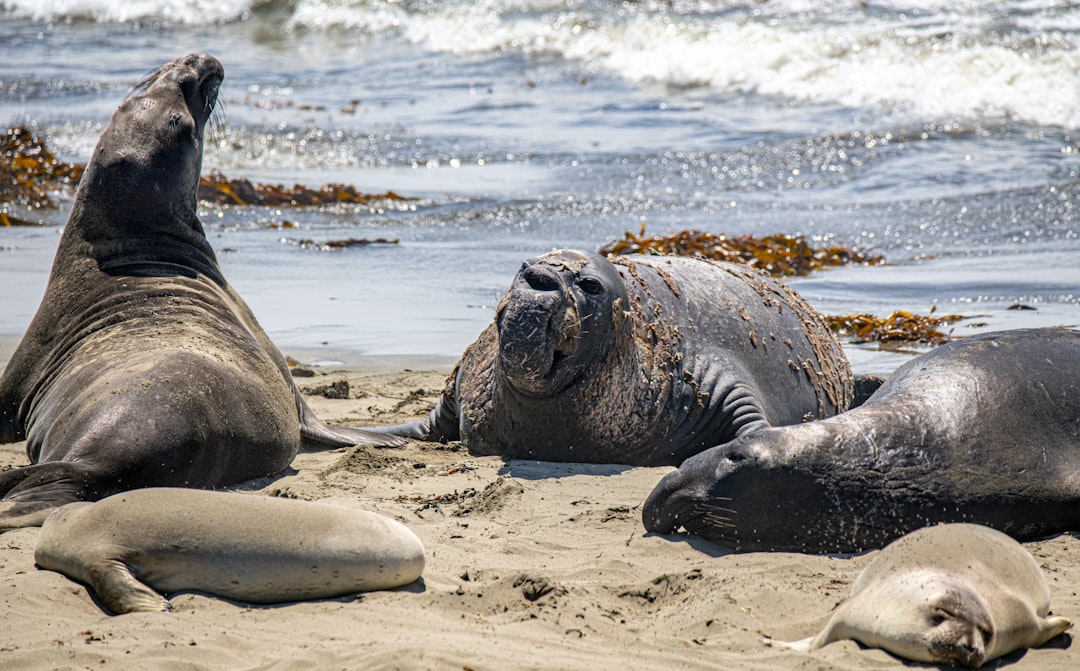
point(120, 592)
point(865, 386)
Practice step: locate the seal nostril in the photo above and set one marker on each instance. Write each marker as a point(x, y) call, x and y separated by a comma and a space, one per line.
point(541, 278)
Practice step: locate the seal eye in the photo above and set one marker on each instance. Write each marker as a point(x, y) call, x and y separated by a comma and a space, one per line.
point(591, 286)
point(940, 615)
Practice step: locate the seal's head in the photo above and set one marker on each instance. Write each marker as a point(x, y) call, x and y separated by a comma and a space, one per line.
point(726, 493)
point(959, 628)
point(699, 495)
point(144, 173)
point(563, 314)
point(928, 616)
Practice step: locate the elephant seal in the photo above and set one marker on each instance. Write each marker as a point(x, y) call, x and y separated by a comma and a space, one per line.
point(142, 366)
point(132, 546)
point(985, 429)
point(958, 594)
point(641, 360)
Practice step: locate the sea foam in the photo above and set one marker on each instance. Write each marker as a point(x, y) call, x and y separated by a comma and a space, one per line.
point(925, 59)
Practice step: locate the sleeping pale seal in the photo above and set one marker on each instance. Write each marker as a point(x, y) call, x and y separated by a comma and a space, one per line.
point(640, 360)
point(985, 430)
point(958, 594)
point(258, 549)
point(142, 366)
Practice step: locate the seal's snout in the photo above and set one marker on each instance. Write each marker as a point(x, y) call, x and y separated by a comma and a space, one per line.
point(200, 77)
point(969, 651)
point(541, 278)
point(661, 512)
point(697, 492)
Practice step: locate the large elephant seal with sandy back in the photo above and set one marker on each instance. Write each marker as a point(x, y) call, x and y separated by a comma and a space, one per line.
point(956, 594)
point(985, 430)
point(133, 546)
point(640, 360)
point(142, 366)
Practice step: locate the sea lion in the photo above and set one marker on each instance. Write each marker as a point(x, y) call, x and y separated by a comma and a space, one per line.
point(641, 360)
point(142, 366)
point(985, 429)
point(958, 594)
point(257, 549)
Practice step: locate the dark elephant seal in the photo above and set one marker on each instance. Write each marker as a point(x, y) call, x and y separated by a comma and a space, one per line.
point(640, 360)
point(133, 546)
point(985, 430)
point(957, 594)
point(142, 366)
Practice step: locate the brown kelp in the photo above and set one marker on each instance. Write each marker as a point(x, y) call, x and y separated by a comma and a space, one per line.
point(899, 326)
point(779, 255)
point(216, 188)
point(29, 171)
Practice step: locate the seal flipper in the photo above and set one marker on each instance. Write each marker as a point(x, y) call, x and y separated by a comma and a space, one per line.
point(24, 514)
point(31, 492)
point(442, 424)
point(865, 386)
point(1049, 627)
point(802, 645)
point(120, 592)
point(826, 636)
point(320, 435)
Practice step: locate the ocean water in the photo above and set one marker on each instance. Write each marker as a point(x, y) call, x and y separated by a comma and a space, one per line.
point(943, 135)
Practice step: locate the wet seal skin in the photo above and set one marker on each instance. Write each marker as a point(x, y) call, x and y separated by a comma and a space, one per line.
point(132, 546)
point(142, 366)
point(641, 360)
point(985, 429)
point(956, 594)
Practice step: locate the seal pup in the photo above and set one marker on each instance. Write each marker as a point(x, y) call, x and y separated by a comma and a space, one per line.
point(133, 546)
point(142, 366)
point(958, 594)
point(985, 429)
point(641, 360)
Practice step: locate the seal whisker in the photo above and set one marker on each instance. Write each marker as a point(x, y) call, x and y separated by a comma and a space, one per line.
point(143, 84)
point(216, 124)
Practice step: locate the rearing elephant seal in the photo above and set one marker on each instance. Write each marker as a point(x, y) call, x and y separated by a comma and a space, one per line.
point(142, 366)
point(640, 360)
point(256, 549)
point(958, 594)
point(985, 429)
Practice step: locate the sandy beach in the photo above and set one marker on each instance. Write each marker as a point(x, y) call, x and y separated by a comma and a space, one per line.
point(531, 565)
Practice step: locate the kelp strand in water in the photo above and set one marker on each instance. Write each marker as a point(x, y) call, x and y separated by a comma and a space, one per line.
point(779, 255)
point(900, 326)
point(28, 171)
